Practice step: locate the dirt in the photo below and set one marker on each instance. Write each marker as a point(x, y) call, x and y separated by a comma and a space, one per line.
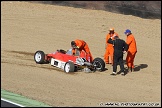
point(28, 27)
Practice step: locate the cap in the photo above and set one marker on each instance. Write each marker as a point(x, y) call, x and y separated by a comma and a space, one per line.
point(111, 29)
point(127, 31)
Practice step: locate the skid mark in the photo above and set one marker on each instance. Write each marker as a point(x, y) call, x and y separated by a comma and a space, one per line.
point(39, 66)
point(21, 55)
point(22, 52)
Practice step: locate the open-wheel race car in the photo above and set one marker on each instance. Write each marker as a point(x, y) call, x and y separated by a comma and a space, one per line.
point(68, 62)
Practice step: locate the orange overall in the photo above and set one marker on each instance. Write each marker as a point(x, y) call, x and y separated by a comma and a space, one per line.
point(109, 49)
point(132, 50)
point(82, 45)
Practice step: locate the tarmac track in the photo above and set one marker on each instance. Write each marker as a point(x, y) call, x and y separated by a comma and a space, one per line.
point(6, 103)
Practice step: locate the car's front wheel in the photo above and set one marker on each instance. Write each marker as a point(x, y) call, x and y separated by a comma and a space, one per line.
point(39, 57)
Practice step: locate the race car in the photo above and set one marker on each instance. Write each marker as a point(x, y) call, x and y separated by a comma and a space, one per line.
point(69, 62)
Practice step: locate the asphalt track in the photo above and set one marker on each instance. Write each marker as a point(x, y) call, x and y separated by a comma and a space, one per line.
point(9, 99)
point(6, 103)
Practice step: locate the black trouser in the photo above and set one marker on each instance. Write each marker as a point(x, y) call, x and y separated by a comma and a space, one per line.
point(118, 59)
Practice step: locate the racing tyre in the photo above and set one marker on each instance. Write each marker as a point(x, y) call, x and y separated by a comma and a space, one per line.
point(99, 64)
point(69, 67)
point(39, 57)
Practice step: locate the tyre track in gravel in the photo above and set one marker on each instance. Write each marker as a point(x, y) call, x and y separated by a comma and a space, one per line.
point(25, 59)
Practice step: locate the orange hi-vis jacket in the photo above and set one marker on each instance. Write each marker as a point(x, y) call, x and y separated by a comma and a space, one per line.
point(132, 43)
point(107, 38)
point(132, 50)
point(109, 49)
point(82, 45)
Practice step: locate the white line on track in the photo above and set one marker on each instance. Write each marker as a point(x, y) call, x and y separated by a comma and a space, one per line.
point(12, 102)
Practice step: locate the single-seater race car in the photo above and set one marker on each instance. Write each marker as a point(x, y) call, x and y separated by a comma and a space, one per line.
point(68, 62)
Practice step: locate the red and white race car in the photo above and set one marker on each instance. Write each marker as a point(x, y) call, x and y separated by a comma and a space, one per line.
point(68, 62)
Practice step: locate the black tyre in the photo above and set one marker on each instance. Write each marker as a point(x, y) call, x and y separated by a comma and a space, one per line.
point(99, 64)
point(39, 57)
point(69, 67)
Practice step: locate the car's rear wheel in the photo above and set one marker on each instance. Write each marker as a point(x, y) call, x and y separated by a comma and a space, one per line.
point(39, 57)
point(99, 64)
point(69, 67)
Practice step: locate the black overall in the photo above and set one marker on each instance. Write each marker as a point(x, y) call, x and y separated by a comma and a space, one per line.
point(119, 46)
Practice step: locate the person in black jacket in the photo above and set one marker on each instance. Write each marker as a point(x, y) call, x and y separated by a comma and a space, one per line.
point(120, 47)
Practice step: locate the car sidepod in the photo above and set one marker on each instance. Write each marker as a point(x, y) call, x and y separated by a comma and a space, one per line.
point(57, 63)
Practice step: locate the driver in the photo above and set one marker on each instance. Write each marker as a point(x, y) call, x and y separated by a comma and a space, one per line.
point(81, 45)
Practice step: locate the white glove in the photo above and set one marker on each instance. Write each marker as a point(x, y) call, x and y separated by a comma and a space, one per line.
point(112, 37)
point(124, 52)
